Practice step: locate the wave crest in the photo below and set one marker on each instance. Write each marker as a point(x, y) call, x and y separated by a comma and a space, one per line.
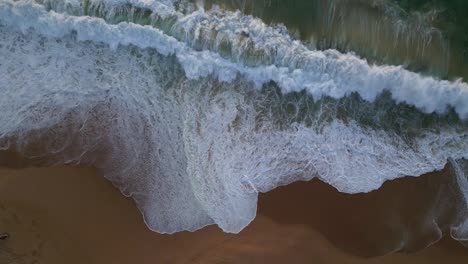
point(193, 136)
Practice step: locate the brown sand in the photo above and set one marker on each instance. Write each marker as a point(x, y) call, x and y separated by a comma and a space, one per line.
point(73, 215)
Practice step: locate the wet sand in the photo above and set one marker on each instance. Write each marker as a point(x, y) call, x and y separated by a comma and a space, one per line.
point(74, 215)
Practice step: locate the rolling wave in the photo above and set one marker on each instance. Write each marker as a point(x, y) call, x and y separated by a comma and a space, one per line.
point(193, 113)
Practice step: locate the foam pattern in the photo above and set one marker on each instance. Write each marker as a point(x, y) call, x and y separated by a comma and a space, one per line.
point(321, 73)
point(179, 129)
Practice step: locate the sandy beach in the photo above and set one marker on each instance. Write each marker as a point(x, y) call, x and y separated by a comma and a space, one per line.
point(120, 117)
point(74, 215)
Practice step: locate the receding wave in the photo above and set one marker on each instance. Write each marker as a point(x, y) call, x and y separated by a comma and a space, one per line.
point(193, 113)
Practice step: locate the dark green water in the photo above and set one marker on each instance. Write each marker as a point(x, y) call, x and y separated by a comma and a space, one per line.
point(427, 36)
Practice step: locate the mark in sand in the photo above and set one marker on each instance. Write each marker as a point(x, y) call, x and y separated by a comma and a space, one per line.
point(4, 236)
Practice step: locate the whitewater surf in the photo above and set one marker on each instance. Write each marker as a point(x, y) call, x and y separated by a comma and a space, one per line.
point(192, 112)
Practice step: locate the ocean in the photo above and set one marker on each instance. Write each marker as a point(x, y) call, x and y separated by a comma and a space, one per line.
point(193, 108)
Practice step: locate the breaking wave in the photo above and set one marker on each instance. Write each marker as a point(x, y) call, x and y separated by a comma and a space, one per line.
point(193, 112)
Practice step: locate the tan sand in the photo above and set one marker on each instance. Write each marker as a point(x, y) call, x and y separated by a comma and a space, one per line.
point(73, 215)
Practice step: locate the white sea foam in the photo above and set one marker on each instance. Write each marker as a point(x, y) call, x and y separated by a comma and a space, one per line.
point(186, 147)
point(327, 73)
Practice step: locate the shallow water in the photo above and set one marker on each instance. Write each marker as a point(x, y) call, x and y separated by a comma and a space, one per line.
point(195, 112)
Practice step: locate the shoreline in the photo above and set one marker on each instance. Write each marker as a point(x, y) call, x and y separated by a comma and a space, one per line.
point(75, 215)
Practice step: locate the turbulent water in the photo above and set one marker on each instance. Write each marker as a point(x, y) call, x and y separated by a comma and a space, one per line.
point(193, 109)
